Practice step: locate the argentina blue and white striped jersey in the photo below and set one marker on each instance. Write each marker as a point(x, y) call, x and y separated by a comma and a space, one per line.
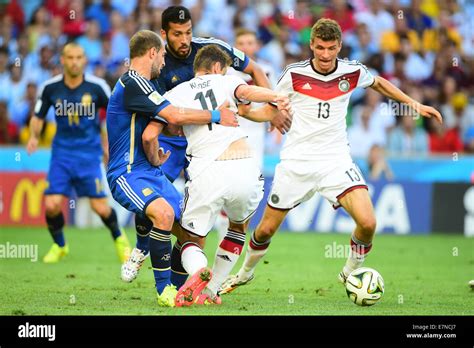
point(133, 104)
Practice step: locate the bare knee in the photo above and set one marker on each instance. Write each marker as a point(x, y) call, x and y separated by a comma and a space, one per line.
point(264, 232)
point(367, 225)
point(52, 207)
point(162, 218)
point(101, 208)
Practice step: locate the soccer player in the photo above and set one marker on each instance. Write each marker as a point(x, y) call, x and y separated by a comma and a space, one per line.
point(181, 49)
point(223, 174)
point(76, 150)
point(134, 174)
point(316, 156)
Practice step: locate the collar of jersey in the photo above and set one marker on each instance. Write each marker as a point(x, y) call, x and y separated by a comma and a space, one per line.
point(321, 73)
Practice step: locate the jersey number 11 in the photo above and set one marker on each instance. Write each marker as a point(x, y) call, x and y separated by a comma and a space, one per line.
point(202, 99)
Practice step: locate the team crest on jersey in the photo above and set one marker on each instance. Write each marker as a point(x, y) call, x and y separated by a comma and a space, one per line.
point(147, 191)
point(344, 86)
point(174, 79)
point(86, 99)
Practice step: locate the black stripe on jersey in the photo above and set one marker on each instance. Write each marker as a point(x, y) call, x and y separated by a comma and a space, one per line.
point(301, 64)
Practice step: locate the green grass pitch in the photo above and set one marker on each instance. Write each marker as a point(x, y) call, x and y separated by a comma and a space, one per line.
point(424, 275)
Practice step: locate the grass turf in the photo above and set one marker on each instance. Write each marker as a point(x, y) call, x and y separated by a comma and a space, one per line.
point(424, 275)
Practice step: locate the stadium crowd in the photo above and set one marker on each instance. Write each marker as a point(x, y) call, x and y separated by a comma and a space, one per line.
point(425, 47)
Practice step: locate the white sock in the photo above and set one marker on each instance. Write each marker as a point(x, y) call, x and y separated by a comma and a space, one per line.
point(357, 255)
point(192, 257)
point(227, 254)
point(221, 225)
point(255, 252)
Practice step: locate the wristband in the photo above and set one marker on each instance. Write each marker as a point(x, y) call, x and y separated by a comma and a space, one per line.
point(215, 116)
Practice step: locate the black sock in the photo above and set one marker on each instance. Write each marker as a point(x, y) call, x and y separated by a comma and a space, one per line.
point(112, 224)
point(178, 273)
point(55, 227)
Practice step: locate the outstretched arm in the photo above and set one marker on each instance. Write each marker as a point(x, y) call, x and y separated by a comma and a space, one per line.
point(153, 152)
point(387, 89)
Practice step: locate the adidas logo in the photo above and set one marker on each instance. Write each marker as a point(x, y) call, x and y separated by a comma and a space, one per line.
point(191, 224)
point(166, 257)
point(306, 86)
point(224, 257)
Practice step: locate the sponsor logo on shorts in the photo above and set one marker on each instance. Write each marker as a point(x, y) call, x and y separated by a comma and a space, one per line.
point(275, 199)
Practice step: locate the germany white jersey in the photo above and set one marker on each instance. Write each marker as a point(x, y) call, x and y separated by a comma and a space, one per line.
point(320, 104)
point(207, 142)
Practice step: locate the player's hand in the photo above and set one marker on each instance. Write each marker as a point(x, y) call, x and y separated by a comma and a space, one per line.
point(284, 117)
point(32, 145)
point(244, 109)
point(228, 117)
point(429, 111)
point(163, 156)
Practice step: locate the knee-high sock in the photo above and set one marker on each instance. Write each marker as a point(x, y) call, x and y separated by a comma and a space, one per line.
point(112, 224)
point(55, 227)
point(227, 255)
point(143, 226)
point(178, 273)
point(255, 251)
point(160, 254)
point(192, 257)
point(357, 255)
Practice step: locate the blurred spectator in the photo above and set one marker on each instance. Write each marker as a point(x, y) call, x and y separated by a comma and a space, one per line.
point(378, 166)
point(444, 139)
point(91, 43)
point(75, 23)
point(119, 39)
point(377, 19)
point(4, 73)
point(342, 13)
point(416, 67)
point(458, 113)
point(416, 19)
point(382, 118)
point(38, 27)
point(8, 130)
point(40, 73)
point(17, 89)
point(14, 10)
point(362, 45)
point(54, 37)
point(407, 139)
point(244, 15)
point(101, 11)
point(362, 137)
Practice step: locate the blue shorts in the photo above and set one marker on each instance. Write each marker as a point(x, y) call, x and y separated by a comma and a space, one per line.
point(136, 190)
point(177, 160)
point(86, 177)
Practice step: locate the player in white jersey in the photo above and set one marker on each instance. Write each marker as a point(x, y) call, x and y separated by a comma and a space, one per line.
point(316, 157)
point(222, 172)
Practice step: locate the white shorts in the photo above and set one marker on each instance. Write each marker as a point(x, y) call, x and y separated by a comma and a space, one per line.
point(297, 181)
point(235, 186)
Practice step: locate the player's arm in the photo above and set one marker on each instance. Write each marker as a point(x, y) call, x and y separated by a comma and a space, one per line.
point(258, 75)
point(181, 116)
point(104, 139)
point(389, 90)
point(153, 152)
point(37, 121)
point(141, 98)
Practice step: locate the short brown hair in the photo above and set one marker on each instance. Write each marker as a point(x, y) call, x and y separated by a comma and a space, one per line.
point(142, 41)
point(327, 30)
point(208, 55)
point(244, 31)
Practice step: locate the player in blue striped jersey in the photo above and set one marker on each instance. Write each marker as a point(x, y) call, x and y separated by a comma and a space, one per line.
point(134, 174)
point(77, 150)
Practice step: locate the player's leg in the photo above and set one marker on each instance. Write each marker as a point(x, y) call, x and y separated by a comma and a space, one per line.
point(109, 217)
point(178, 272)
point(359, 206)
point(88, 182)
point(55, 222)
point(59, 188)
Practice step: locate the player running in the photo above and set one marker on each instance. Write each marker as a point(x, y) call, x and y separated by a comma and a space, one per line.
point(181, 50)
point(76, 157)
point(134, 174)
point(223, 174)
point(316, 157)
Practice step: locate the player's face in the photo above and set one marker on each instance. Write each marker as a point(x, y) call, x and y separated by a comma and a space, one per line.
point(325, 53)
point(248, 44)
point(178, 38)
point(158, 62)
point(73, 60)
